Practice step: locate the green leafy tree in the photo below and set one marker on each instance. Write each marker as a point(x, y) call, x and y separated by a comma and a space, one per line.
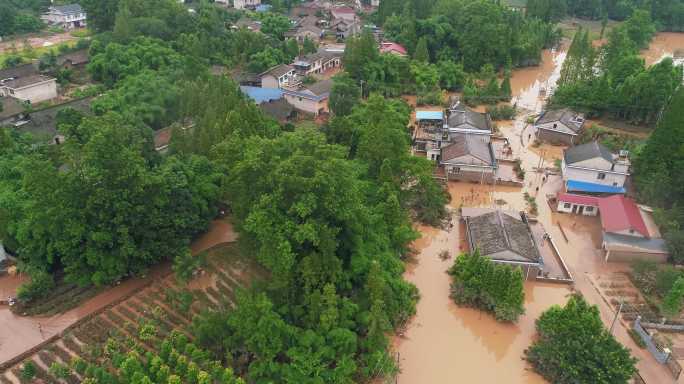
point(672, 303)
point(421, 52)
point(345, 94)
point(275, 25)
point(481, 283)
point(574, 347)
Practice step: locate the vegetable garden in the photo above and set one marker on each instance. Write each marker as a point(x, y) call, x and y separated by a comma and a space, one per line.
point(144, 338)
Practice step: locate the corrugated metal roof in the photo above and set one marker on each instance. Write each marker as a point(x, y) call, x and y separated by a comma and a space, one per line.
point(583, 186)
point(262, 95)
point(429, 115)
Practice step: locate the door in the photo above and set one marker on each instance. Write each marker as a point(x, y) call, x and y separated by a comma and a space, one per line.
point(580, 210)
point(574, 208)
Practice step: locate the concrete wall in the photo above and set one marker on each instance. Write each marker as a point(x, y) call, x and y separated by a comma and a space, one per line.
point(37, 93)
point(468, 173)
point(307, 105)
point(625, 256)
point(554, 137)
point(570, 207)
point(269, 81)
point(592, 176)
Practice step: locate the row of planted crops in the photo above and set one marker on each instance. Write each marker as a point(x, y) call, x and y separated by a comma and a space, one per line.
point(144, 339)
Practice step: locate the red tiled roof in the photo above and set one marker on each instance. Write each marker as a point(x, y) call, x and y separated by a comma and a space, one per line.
point(619, 213)
point(388, 47)
point(578, 199)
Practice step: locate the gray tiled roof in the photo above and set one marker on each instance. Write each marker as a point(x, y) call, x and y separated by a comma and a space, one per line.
point(465, 144)
point(22, 82)
point(502, 236)
point(565, 116)
point(321, 87)
point(68, 9)
point(587, 151)
point(278, 70)
point(461, 115)
point(20, 71)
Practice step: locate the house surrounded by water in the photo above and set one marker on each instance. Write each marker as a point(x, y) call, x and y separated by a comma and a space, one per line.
point(559, 126)
point(504, 237)
point(593, 168)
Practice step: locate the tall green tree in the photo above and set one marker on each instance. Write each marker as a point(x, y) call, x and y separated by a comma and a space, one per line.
point(344, 95)
point(573, 346)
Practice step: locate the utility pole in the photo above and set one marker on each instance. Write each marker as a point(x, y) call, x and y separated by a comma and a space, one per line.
point(616, 316)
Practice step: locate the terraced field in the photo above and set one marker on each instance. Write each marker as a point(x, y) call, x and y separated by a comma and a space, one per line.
point(146, 333)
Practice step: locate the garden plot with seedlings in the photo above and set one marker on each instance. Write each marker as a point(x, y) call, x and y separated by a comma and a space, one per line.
point(617, 288)
point(146, 334)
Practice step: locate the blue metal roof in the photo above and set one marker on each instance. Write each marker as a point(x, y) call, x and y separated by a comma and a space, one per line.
point(429, 115)
point(262, 95)
point(583, 186)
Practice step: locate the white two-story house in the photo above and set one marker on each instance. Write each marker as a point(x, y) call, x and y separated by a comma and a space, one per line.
point(66, 16)
point(280, 76)
point(592, 168)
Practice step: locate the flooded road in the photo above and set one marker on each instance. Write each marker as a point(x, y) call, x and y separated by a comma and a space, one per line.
point(445, 343)
point(19, 333)
point(664, 44)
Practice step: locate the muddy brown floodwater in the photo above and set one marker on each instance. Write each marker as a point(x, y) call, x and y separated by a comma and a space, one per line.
point(445, 343)
point(19, 333)
point(664, 44)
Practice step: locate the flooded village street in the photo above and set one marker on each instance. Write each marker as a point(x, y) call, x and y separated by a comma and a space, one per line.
point(445, 343)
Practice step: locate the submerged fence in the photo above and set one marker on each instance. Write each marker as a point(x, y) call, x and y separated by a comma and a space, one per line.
point(661, 356)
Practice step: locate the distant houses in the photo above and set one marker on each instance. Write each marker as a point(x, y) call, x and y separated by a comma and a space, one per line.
point(241, 4)
point(280, 76)
point(593, 168)
point(318, 62)
point(69, 16)
point(393, 48)
point(312, 99)
point(505, 237)
point(26, 84)
point(559, 126)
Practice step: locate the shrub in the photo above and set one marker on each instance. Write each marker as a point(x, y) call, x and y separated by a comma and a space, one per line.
point(517, 168)
point(28, 371)
point(478, 282)
point(59, 371)
point(41, 283)
point(502, 112)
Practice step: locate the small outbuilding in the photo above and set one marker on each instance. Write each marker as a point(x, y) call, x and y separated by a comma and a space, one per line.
point(578, 204)
point(559, 126)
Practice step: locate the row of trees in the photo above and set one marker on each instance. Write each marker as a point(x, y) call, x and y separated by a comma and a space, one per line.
point(473, 33)
point(497, 288)
point(17, 17)
point(668, 14)
point(658, 178)
point(613, 79)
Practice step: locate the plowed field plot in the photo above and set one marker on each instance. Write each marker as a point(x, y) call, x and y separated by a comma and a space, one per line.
point(149, 328)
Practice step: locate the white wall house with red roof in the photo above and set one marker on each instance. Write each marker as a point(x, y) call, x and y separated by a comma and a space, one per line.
point(629, 231)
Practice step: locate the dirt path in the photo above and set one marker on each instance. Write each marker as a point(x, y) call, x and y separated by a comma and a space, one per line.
point(37, 41)
point(19, 333)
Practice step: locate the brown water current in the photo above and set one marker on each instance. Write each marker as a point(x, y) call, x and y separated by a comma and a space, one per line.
point(664, 44)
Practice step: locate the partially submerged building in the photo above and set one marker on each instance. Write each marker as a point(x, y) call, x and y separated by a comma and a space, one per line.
point(559, 126)
point(505, 237)
point(593, 168)
point(469, 157)
point(628, 229)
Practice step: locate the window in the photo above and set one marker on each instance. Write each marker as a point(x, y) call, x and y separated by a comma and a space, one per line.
point(555, 125)
point(601, 176)
point(589, 209)
point(567, 205)
point(615, 184)
point(455, 170)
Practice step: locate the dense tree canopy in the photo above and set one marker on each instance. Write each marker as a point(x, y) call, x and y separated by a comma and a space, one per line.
point(613, 79)
point(574, 347)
